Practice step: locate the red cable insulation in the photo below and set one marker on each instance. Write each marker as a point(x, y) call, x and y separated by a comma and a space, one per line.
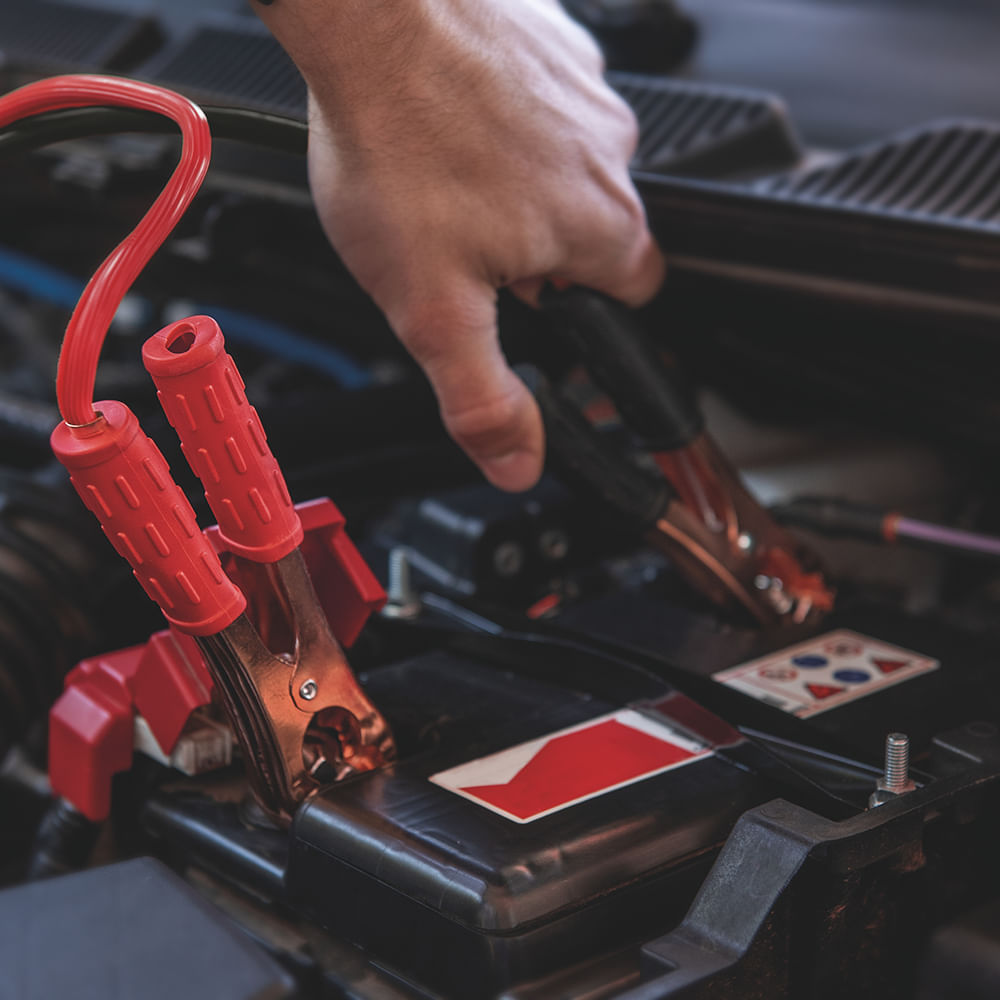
point(88, 326)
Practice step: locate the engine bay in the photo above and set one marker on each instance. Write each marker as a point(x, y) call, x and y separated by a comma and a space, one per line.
point(710, 712)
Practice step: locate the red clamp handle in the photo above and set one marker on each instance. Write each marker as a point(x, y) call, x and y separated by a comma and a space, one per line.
point(124, 480)
point(203, 397)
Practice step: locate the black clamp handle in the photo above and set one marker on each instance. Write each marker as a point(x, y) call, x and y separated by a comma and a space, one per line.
point(583, 459)
point(651, 396)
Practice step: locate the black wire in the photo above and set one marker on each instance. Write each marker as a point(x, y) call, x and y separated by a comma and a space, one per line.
point(239, 124)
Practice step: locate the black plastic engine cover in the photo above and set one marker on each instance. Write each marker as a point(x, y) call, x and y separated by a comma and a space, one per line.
point(128, 930)
point(692, 648)
point(457, 895)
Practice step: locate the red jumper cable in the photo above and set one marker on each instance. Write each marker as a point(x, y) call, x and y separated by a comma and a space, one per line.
point(295, 706)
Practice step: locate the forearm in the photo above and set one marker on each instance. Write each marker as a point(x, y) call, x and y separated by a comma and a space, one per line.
point(336, 44)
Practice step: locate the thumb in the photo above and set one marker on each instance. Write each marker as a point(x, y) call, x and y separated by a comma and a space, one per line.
point(486, 408)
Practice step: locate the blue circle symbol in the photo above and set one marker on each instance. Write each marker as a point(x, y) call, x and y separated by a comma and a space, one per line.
point(810, 662)
point(852, 676)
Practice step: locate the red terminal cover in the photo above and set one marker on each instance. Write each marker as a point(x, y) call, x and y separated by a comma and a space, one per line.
point(91, 725)
point(346, 587)
point(124, 481)
point(91, 730)
point(165, 680)
point(203, 397)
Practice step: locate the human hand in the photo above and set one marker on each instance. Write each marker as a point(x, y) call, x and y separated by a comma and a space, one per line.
point(458, 147)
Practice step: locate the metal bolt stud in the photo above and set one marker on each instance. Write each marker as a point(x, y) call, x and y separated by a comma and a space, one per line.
point(402, 600)
point(554, 544)
point(309, 690)
point(897, 761)
point(773, 589)
point(508, 559)
point(895, 780)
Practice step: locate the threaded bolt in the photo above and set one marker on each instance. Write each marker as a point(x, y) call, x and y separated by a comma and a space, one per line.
point(402, 600)
point(400, 586)
point(897, 762)
point(896, 778)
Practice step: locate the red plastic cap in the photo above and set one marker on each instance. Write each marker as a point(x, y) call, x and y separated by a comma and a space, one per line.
point(123, 479)
point(203, 397)
point(90, 739)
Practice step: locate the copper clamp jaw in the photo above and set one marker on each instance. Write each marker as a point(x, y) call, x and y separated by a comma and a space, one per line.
point(296, 707)
point(696, 510)
point(733, 549)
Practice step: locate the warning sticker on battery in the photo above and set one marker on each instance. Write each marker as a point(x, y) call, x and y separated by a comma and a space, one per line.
point(826, 672)
point(542, 776)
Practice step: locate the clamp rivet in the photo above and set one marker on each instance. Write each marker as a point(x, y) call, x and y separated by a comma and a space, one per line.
point(309, 690)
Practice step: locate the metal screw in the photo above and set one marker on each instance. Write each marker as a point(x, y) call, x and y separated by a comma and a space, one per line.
point(745, 542)
point(896, 777)
point(773, 589)
point(309, 690)
point(897, 761)
point(508, 558)
point(403, 601)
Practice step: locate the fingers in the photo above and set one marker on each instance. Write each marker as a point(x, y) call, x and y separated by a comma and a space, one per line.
point(611, 249)
point(636, 276)
point(485, 406)
point(529, 290)
point(633, 276)
point(603, 239)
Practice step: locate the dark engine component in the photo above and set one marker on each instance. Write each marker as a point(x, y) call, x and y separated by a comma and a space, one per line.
point(61, 595)
point(132, 929)
point(476, 541)
point(688, 129)
point(509, 901)
point(681, 722)
point(641, 35)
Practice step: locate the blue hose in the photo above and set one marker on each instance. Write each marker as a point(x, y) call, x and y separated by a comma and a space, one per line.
point(28, 276)
point(273, 338)
point(24, 274)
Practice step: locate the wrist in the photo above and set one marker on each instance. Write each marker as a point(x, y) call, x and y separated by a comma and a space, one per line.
point(338, 44)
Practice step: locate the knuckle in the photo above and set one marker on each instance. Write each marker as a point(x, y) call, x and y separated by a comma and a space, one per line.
point(428, 327)
point(625, 216)
point(630, 132)
point(488, 425)
point(627, 130)
point(634, 213)
point(421, 331)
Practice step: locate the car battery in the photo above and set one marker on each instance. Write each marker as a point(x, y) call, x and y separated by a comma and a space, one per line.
point(865, 671)
point(527, 825)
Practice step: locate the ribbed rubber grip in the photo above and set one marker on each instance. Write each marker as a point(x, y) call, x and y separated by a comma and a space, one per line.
point(124, 480)
point(203, 397)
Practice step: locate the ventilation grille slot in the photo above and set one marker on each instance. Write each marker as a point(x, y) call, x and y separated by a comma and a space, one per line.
point(234, 63)
point(945, 173)
point(39, 37)
point(706, 131)
point(684, 127)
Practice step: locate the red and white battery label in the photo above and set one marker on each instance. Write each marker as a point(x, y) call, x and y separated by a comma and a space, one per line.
point(825, 672)
point(554, 772)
